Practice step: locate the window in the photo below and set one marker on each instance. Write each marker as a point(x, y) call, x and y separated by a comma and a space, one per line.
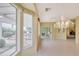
point(27, 31)
point(7, 29)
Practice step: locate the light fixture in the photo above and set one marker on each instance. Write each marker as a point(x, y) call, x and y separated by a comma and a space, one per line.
point(1, 16)
point(62, 25)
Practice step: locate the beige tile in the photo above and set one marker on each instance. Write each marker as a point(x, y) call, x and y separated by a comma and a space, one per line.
point(59, 47)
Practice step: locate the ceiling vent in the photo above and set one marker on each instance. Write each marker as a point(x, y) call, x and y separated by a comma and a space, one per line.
point(47, 9)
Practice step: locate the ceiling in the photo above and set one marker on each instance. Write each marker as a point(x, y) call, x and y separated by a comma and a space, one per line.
point(7, 13)
point(54, 11)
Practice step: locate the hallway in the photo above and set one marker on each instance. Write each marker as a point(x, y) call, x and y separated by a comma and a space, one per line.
point(58, 48)
point(25, 27)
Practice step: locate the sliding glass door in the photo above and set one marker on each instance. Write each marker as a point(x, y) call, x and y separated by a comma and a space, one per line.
point(27, 31)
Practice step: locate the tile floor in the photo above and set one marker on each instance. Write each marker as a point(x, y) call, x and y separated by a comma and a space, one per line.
point(59, 48)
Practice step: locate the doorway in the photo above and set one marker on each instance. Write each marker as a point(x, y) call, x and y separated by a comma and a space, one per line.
point(71, 30)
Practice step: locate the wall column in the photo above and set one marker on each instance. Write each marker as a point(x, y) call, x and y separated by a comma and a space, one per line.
point(77, 29)
point(51, 31)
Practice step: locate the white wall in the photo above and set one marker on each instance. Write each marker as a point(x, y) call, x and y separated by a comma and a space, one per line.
point(29, 6)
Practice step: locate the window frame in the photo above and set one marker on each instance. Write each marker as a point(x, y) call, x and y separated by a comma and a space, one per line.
point(15, 52)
